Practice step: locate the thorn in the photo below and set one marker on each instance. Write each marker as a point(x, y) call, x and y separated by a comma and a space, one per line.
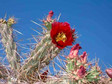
point(17, 31)
point(35, 39)
point(59, 17)
point(36, 31)
point(36, 23)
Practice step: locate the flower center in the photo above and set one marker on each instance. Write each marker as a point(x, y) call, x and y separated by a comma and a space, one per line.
point(61, 37)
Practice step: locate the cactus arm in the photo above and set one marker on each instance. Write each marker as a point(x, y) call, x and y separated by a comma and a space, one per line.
point(9, 45)
point(40, 57)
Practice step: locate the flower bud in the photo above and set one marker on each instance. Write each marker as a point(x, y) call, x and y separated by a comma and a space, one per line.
point(83, 57)
point(11, 21)
point(49, 17)
point(109, 72)
point(81, 72)
point(51, 13)
point(2, 21)
point(74, 51)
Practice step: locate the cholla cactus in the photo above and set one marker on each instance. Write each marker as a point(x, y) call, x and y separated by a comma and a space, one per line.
point(56, 36)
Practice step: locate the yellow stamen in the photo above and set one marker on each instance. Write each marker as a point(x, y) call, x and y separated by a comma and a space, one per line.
point(61, 37)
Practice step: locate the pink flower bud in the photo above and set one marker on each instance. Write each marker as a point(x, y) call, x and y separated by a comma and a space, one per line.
point(109, 72)
point(49, 17)
point(51, 13)
point(83, 57)
point(81, 72)
point(74, 51)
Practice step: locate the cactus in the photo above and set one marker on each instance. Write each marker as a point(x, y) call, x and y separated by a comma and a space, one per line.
point(57, 35)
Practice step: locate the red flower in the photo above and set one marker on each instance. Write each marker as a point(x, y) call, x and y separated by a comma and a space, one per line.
point(109, 72)
point(74, 51)
point(81, 72)
point(83, 57)
point(62, 34)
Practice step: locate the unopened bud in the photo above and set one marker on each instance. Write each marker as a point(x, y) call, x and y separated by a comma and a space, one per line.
point(109, 72)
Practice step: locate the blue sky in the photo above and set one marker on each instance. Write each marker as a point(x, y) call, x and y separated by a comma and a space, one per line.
point(92, 20)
